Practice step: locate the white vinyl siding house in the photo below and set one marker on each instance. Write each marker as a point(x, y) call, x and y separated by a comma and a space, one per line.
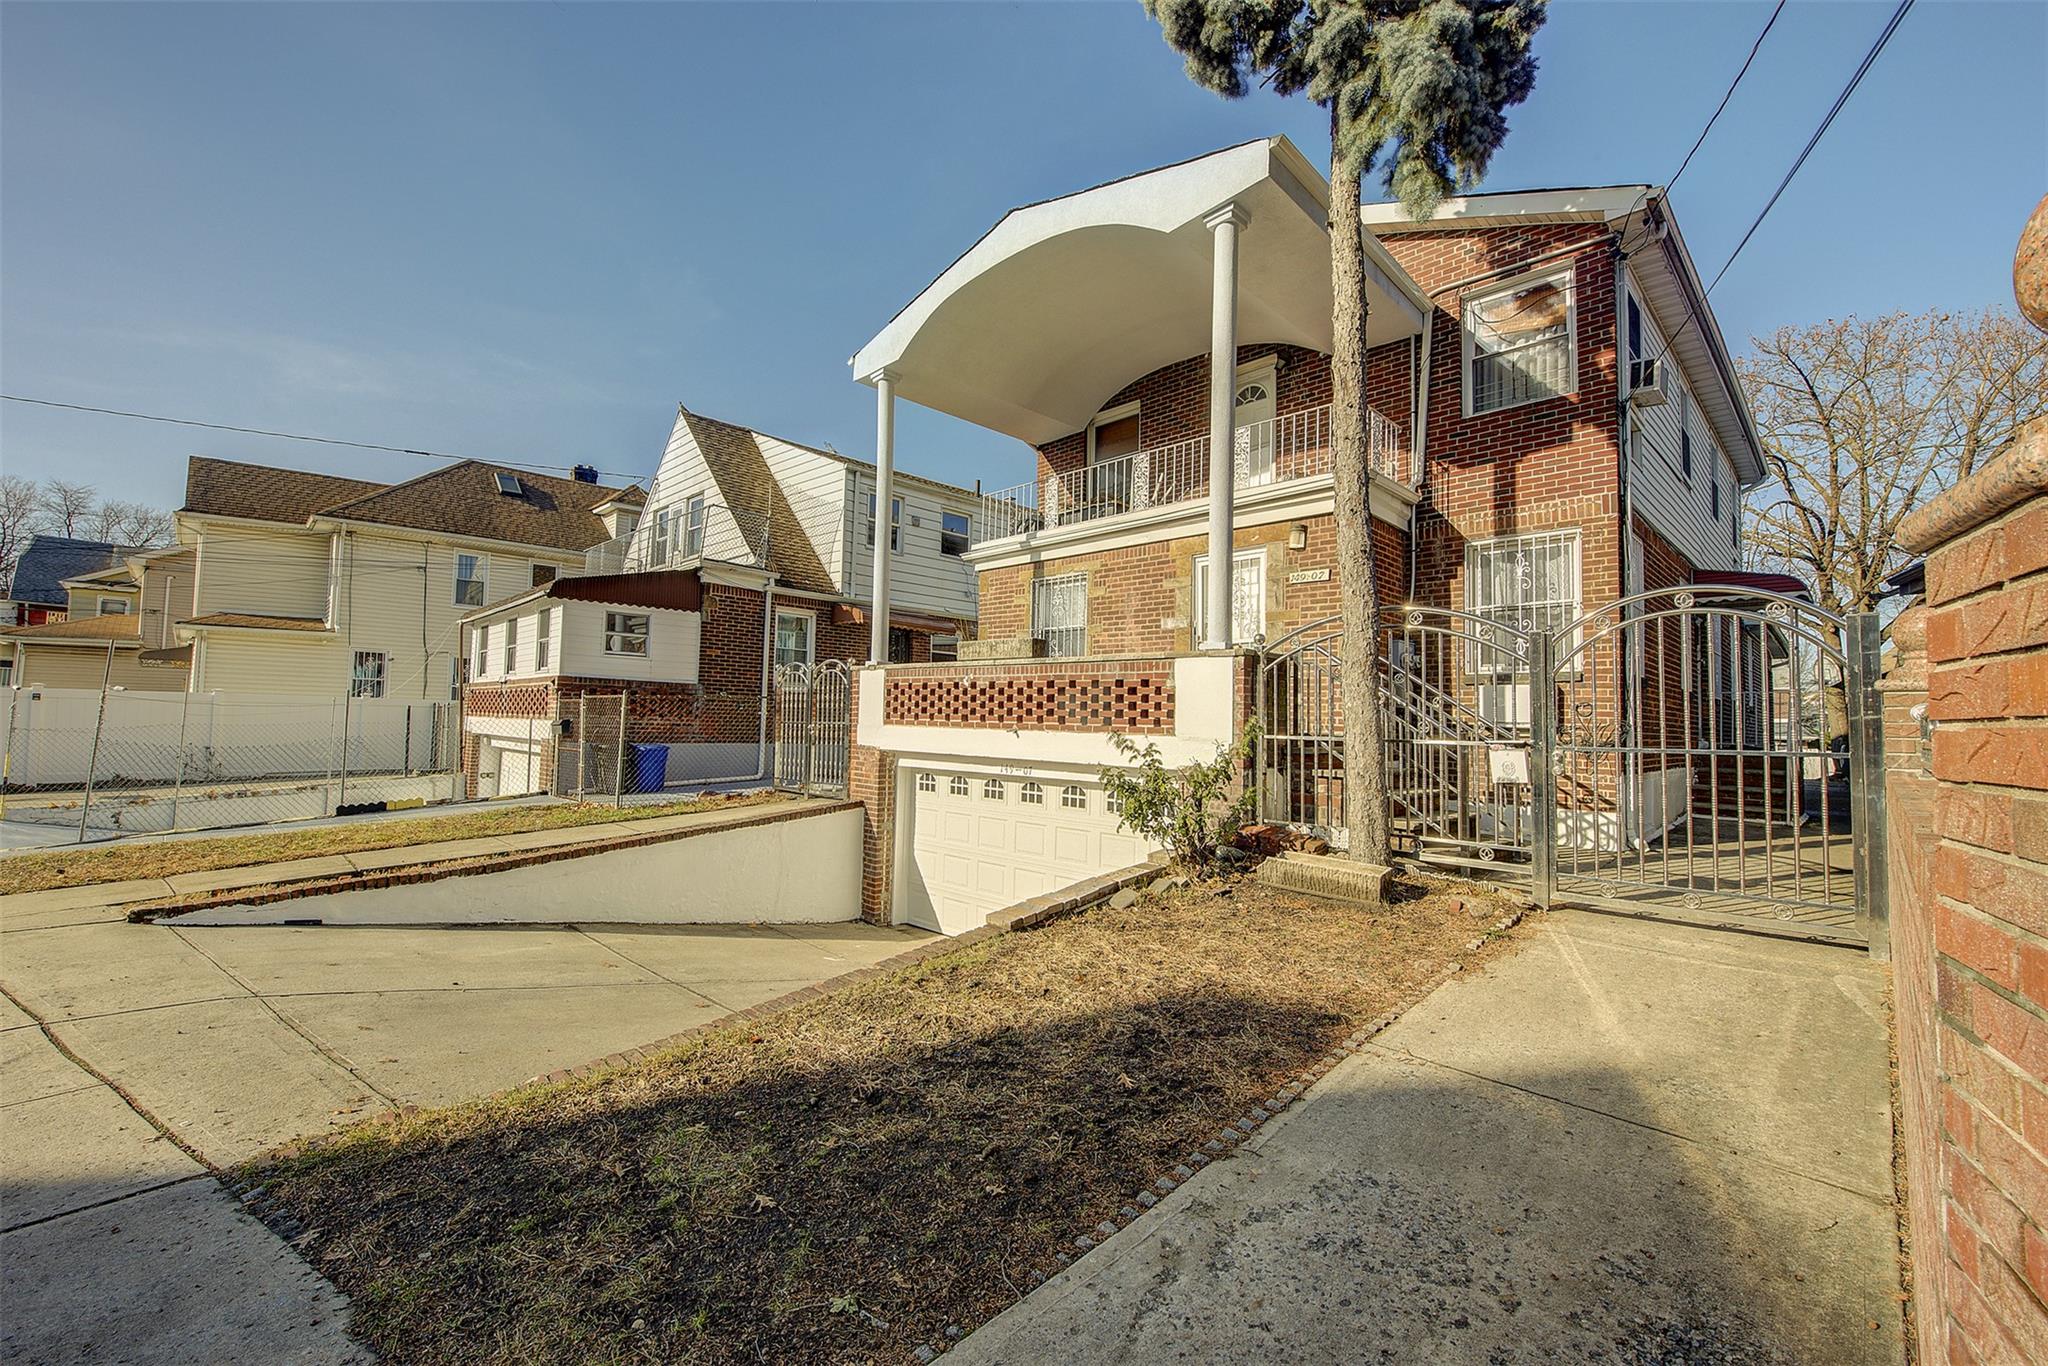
point(1664, 439)
point(828, 495)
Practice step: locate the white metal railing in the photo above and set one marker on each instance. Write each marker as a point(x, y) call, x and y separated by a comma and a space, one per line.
point(675, 535)
point(1280, 449)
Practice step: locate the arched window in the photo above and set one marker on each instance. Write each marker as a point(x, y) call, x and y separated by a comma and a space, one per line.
point(991, 790)
point(927, 782)
point(1074, 798)
point(1031, 794)
point(958, 787)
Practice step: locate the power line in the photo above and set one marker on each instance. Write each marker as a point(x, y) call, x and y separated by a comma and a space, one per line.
point(1869, 59)
point(1730, 94)
point(300, 436)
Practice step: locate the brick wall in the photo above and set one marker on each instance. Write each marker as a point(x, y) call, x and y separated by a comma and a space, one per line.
point(1966, 750)
point(871, 781)
point(1537, 467)
point(1141, 598)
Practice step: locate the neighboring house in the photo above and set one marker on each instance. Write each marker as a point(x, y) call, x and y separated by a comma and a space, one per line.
point(1528, 464)
point(772, 543)
point(115, 627)
point(320, 585)
point(534, 658)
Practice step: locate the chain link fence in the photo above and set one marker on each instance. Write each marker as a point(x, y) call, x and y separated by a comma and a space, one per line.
point(135, 762)
point(614, 746)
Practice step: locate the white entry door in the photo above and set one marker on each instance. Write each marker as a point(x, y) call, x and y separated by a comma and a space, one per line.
point(1255, 430)
point(980, 844)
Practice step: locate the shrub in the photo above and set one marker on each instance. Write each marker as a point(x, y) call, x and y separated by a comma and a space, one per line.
point(1187, 809)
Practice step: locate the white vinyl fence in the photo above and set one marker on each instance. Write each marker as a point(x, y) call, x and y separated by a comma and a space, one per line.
point(149, 761)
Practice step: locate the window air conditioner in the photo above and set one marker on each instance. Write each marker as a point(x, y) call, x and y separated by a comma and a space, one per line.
point(1646, 384)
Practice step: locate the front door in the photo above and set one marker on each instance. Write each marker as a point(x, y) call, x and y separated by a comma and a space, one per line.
point(1254, 425)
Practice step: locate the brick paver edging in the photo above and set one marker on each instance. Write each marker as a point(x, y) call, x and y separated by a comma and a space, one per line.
point(467, 866)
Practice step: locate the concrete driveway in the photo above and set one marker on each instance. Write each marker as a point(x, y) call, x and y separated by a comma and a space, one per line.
point(132, 1056)
point(1629, 1142)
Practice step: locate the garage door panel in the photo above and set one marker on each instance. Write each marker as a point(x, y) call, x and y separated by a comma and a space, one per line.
point(976, 845)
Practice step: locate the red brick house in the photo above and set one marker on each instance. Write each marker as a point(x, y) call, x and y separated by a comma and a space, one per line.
point(1555, 424)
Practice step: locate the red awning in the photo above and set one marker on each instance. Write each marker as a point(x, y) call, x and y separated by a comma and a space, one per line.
point(852, 614)
point(1755, 580)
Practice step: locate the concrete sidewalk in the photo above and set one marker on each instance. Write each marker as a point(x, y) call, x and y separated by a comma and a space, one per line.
point(1630, 1142)
point(118, 1243)
point(110, 900)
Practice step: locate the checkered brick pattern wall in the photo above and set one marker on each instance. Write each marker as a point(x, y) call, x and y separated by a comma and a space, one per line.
point(1135, 697)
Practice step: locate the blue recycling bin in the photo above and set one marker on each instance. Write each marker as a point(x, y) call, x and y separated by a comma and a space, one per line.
point(650, 768)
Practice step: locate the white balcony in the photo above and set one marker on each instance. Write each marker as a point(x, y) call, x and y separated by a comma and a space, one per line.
point(1292, 446)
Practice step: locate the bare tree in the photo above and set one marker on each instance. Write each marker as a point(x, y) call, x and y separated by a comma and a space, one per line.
point(1865, 419)
point(65, 507)
point(126, 523)
point(19, 499)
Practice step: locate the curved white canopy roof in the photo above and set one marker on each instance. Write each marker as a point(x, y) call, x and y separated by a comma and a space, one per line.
point(1065, 302)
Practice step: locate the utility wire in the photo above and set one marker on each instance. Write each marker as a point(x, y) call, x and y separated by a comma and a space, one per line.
point(1869, 59)
point(300, 436)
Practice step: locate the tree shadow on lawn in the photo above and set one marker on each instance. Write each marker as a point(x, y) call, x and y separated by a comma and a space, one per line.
point(810, 1186)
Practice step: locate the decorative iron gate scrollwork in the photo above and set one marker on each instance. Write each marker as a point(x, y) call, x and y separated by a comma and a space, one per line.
point(813, 732)
point(1706, 752)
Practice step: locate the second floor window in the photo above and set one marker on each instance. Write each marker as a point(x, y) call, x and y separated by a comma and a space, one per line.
point(1519, 344)
point(953, 533)
point(658, 540)
point(114, 607)
point(482, 646)
point(693, 527)
point(625, 633)
point(469, 580)
point(543, 624)
point(511, 643)
point(366, 675)
point(895, 522)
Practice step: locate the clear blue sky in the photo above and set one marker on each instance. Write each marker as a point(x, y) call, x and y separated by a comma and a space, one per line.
point(529, 231)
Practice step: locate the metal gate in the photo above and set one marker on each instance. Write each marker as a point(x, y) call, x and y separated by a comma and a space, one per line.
point(1703, 753)
point(813, 709)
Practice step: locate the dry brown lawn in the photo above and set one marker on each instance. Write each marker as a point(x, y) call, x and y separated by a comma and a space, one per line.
point(36, 872)
point(845, 1179)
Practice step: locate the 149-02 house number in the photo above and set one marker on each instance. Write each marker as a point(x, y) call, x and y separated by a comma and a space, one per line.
point(1309, 576)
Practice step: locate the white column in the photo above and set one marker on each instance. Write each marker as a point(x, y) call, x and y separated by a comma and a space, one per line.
point(885, 485)
point(1224, 223)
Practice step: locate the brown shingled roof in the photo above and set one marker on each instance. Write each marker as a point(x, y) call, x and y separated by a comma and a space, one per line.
point(115, 626)
point(229, 488)
point(463, 500)
point(748, 487)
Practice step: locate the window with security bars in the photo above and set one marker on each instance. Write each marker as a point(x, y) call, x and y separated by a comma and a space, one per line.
point(366, 676)
point(1519, 344)
point(1059, 614)
point(1529, 583)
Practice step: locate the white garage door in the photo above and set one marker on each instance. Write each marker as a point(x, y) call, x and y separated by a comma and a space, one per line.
point(518, 770)
point(980, 844)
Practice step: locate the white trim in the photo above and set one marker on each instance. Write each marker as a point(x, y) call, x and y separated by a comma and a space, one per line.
point(482, 578)
point(1198, 586)
point(810, 621)
point(1589, 202)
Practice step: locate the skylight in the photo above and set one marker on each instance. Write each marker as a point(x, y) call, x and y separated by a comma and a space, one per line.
point(508, 484)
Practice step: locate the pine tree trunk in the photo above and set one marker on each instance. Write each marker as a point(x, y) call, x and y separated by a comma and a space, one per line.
point(1365, 795)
